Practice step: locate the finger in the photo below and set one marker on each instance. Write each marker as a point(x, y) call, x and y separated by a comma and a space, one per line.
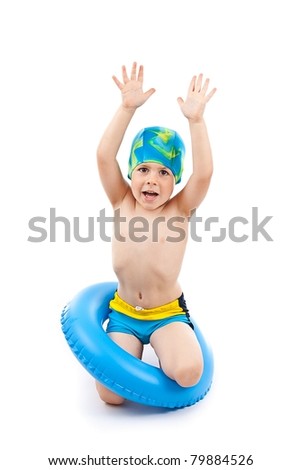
point(140, 73)
point(205, 87)
point(180, 101)
point(199, 82)
point(149, 93)
point(209, 96)
point(192, 84)
point(134, 70)
point(118, 83)
point(124, 74)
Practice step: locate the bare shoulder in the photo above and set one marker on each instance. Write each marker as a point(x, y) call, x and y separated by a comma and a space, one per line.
point(192, 195)
point(127, 202)
point(175, 208)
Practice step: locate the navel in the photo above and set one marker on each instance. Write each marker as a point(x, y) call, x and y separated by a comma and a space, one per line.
point(140, 295)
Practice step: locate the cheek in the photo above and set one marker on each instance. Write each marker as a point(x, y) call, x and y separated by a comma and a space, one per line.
point(137, 179)
point(136, 189)
point(170, 186)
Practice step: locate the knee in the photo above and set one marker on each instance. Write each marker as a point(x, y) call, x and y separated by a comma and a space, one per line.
point(188, 375)
point(107, 396)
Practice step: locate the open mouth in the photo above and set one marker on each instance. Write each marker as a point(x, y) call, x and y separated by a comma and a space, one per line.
point(150, 195)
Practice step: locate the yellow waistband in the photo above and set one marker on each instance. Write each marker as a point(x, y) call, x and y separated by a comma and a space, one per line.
point(157, 313)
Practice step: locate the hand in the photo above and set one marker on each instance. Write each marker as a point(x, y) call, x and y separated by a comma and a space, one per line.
point(131, 88)
point(197, 98)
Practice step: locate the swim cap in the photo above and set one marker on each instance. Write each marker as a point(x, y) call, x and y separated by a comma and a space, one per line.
point(158, 145)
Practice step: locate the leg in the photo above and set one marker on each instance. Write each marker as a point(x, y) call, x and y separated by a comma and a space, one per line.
point(132, 345)
point(179, 353)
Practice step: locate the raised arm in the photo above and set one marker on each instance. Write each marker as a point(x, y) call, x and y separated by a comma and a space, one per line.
point(202, 166)
point(132, 98)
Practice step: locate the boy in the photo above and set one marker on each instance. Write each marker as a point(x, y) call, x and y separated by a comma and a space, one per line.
point(149, 306)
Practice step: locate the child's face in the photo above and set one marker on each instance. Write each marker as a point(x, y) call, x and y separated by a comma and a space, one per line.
point(152, 184)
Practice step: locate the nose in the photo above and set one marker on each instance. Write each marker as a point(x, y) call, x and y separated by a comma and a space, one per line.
point(152, 179)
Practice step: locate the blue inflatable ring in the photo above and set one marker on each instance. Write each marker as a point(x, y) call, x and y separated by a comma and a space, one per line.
point(82, 324)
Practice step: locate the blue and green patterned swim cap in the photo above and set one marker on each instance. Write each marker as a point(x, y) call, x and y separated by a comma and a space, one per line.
point(158, 145)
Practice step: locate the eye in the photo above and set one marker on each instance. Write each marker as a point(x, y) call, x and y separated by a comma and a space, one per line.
point(164, 172)
point(143, 169)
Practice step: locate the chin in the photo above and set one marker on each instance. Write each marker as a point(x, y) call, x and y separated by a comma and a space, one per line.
point(152, 207)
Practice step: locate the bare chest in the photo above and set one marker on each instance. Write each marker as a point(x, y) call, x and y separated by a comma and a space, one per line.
point(163, 229)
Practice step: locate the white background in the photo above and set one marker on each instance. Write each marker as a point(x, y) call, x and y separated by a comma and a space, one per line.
point(57, 96)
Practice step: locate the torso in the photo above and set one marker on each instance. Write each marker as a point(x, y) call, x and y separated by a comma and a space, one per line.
point(147, 263)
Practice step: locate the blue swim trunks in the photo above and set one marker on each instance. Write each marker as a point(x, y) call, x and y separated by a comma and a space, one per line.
point(135, 320)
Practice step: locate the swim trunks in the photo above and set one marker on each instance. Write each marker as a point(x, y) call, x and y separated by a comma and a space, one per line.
point(140, 322)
